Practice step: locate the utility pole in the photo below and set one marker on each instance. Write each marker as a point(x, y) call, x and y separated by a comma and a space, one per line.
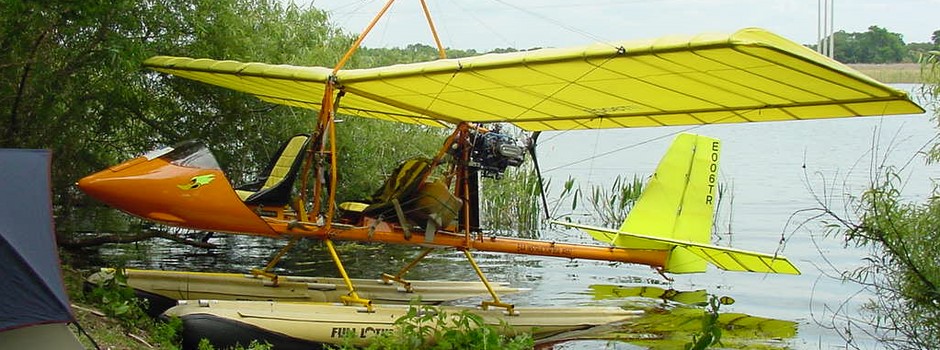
point(825, 41)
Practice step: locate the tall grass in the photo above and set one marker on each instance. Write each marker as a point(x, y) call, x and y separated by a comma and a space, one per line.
point(604, 206)
point(897, 73)
point(512, 205)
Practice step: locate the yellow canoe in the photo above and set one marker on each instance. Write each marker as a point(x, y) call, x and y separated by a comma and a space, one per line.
point(309, 325)
point(164, 288)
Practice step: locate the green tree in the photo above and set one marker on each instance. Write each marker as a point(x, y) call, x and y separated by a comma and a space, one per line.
point(412, 53)
point(877, 45)
point(916, 51)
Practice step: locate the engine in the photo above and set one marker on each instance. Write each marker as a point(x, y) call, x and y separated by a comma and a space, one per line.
point(493, 152)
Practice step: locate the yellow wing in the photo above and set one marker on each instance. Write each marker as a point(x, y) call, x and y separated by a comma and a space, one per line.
point(751, 75)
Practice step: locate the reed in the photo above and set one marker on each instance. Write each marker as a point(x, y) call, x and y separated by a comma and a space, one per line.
point(607, 207)
point(512, 204)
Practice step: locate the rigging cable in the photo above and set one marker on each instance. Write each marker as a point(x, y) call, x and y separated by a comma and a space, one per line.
point(643, 142)
point(558, 23)
point(468, 12)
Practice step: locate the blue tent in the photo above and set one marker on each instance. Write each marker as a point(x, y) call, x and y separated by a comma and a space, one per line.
point(34, 294)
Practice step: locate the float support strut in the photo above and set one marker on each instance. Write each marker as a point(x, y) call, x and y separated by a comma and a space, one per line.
point(352, 297)
point(510, 308)
point(400, 276)
point(266, 271)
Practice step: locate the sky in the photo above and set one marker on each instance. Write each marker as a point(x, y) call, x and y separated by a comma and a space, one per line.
point(488, 24)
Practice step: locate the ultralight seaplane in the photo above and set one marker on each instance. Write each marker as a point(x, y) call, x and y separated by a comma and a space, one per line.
point(748, 76)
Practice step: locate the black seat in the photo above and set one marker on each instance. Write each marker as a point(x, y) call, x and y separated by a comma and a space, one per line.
point(274, 185)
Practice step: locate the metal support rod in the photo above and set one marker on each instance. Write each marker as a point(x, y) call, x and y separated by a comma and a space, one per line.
point(352, 297)
point(266, 271)
point(331, 195)
point(510, 308)
point(437, 40)
point(832, 39)
point(362, 36)
point(401, 273)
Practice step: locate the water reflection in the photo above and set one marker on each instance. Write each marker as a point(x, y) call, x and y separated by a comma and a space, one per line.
point(606, 291)
point(239, 254)
point(673, 317)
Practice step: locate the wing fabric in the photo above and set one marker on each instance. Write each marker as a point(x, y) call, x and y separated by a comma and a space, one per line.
point(749, 76)
point(722, 257)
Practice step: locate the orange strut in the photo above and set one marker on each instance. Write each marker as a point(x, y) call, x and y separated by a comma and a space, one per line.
point(437, 40)
point(362, 37)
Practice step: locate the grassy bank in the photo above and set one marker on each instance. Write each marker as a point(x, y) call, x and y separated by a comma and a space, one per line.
point(895, 73)
point(108, 331)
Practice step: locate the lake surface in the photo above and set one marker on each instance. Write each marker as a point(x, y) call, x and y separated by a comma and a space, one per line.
point(775, 171)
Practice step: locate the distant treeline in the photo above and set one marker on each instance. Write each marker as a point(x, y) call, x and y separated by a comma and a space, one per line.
point(878, 45)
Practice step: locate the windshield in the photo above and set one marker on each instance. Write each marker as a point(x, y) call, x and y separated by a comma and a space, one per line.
point(191, 154)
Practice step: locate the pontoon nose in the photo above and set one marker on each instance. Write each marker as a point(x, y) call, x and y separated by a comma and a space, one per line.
point(87, 185)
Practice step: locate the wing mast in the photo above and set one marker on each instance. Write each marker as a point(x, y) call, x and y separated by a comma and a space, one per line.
point(325, 140)
point(325, 132)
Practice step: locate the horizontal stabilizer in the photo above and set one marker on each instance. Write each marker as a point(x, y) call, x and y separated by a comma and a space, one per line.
point(724, 258)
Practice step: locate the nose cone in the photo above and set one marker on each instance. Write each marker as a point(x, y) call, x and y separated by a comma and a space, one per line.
point(128, 186)
point(94, 186)
point(182, 196)
point(123, 191)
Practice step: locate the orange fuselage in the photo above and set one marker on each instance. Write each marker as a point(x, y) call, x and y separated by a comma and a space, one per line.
point(180, 192)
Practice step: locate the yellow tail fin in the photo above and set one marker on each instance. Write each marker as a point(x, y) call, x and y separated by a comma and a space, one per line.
point(678, 202)
point(676, 210)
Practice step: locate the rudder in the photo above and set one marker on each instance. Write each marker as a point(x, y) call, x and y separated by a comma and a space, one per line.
point(678, 202)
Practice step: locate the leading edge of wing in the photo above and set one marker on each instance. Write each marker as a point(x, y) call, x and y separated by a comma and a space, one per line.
point(179, 65)
point(725, 258)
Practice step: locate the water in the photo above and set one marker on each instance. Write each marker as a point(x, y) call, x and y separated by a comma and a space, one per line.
point(775, 169)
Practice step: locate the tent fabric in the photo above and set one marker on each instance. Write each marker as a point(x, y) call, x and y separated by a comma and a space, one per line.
point(28, 249)
point(748, 76)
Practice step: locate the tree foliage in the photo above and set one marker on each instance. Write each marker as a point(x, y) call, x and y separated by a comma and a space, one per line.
point(372, 57)
point(877, 45)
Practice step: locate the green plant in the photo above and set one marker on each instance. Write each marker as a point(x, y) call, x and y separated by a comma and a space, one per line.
point(900, 273)
point(611, 207)
point(204, 344)
point(118, 301)
point(168, 333)
point(512, 203)
point(428, 327)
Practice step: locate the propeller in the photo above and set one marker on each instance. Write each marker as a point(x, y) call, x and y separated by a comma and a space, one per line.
point(538, 172)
